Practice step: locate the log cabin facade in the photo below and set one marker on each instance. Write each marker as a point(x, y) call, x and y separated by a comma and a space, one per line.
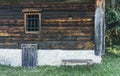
point(52, 25)
point(60, 26)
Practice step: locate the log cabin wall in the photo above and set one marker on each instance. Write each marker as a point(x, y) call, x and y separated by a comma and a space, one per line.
point(57, 31)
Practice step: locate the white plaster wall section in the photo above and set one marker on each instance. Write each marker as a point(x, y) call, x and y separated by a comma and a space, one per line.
point(49, 57)
point(81, 54)
point(10, 57)
point(54, 57)
point(96, 59)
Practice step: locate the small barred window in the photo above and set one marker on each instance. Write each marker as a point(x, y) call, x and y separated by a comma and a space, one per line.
point(32, 21)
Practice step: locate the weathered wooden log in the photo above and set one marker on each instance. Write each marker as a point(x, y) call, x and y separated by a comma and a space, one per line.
point(100, 28)
point(57, 30)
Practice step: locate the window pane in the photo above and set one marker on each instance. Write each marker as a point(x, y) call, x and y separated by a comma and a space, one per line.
point(32, 22)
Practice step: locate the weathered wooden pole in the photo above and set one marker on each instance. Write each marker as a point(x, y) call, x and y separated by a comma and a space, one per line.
point(100, 27)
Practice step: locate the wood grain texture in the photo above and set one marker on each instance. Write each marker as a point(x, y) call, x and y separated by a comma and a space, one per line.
point(100, 28)
point(57, 31)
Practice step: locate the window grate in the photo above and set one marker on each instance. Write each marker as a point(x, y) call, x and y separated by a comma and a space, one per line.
point(32, 23)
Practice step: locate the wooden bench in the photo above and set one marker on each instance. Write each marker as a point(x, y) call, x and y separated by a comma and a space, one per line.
point(72, 61)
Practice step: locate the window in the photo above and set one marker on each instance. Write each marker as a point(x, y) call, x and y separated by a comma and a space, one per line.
point(32, 21)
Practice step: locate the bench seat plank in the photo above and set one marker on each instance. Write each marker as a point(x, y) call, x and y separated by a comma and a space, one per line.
point(76, 60)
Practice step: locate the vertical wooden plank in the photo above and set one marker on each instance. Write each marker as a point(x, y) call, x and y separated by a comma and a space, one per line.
point(34, 57)
point(29, 55)
point(100, 28)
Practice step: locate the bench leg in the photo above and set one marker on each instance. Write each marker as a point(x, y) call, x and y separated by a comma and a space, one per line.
point(65, 67)
point(88, 66)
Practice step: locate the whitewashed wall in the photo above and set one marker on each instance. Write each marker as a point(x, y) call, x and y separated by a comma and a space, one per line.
point(10, 57)
point(47, 57)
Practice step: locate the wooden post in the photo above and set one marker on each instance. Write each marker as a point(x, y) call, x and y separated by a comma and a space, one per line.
point(100, 27)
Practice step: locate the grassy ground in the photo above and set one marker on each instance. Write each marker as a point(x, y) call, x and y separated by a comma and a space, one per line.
point(109, 67)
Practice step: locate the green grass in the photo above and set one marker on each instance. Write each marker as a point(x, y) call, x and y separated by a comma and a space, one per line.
point(109, 67)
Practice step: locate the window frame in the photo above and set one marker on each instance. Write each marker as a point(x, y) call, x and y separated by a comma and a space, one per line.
point(25, 22)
